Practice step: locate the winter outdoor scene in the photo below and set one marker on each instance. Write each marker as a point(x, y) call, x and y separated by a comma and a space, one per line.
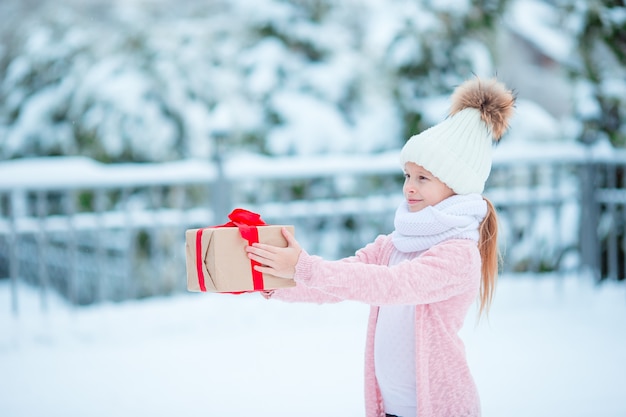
point(124, 123)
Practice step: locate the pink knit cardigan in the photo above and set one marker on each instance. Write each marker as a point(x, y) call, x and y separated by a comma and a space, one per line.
point(442, 282)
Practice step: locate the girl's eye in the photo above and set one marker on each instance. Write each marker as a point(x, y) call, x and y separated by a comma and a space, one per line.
point(407, 176)
point(423, 177)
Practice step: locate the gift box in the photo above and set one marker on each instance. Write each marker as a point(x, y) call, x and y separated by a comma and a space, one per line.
point(216, 257)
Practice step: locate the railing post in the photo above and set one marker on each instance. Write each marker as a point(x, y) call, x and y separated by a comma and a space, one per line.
point(72, 247)
point(221, 200)
point(589, 243)
point(14, 196)
point(42, 244)
point(102, 292)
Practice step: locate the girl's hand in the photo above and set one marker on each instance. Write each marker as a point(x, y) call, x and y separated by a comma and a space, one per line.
point(274, 260)
point(267, 294)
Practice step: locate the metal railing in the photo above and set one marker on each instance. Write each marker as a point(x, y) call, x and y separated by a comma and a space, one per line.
point(95, 232)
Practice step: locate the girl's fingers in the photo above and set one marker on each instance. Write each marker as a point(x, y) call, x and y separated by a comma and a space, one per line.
point(264, 247)
point(290, 238)
point(260, 259)
point(264, 269)
point(273, 260)
point(259, 251)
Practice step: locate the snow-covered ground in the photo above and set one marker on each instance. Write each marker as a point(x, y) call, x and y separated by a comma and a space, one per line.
point(551, 347)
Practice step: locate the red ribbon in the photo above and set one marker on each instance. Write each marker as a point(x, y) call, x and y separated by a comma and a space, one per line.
point(199, 270)
point(246, 221)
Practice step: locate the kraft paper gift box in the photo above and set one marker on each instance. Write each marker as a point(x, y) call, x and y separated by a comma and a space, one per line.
point(217, 261)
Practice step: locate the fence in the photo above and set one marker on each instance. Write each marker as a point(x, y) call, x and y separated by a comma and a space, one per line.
point(95, 232)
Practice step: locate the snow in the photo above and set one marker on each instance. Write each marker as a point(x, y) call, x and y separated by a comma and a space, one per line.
point(77, 171)
point(544, 128)
point(538, 22)
point(304, 134)
point(155, 91)
point(551, 346)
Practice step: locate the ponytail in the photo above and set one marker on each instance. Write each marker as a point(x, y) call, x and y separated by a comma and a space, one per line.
point(488, 246)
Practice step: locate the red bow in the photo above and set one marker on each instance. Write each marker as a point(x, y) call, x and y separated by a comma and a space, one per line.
point(246, 221)
point(240, 217)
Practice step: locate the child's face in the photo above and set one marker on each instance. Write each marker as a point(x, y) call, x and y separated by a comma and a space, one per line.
point(421, 188)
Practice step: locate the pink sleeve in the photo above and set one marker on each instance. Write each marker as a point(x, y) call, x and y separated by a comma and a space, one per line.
point(445, 270)
point(303, 293)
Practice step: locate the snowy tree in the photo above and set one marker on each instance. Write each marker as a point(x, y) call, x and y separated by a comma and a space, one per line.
point(155, 81)
point(600, 27)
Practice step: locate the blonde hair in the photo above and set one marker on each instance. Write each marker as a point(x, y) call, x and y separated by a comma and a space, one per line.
point(490, 255)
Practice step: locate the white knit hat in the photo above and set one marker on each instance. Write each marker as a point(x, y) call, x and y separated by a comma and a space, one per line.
point(458, 150)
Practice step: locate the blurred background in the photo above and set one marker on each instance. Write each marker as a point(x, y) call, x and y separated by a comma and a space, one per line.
point(122, 123)
point(125, 122)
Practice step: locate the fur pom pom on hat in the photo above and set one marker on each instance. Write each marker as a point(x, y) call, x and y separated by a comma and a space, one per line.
point(458, 150)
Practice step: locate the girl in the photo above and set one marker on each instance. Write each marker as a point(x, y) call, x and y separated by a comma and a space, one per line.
point(421, 279)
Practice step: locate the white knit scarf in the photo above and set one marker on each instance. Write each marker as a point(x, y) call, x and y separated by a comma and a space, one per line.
point(456, 217)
